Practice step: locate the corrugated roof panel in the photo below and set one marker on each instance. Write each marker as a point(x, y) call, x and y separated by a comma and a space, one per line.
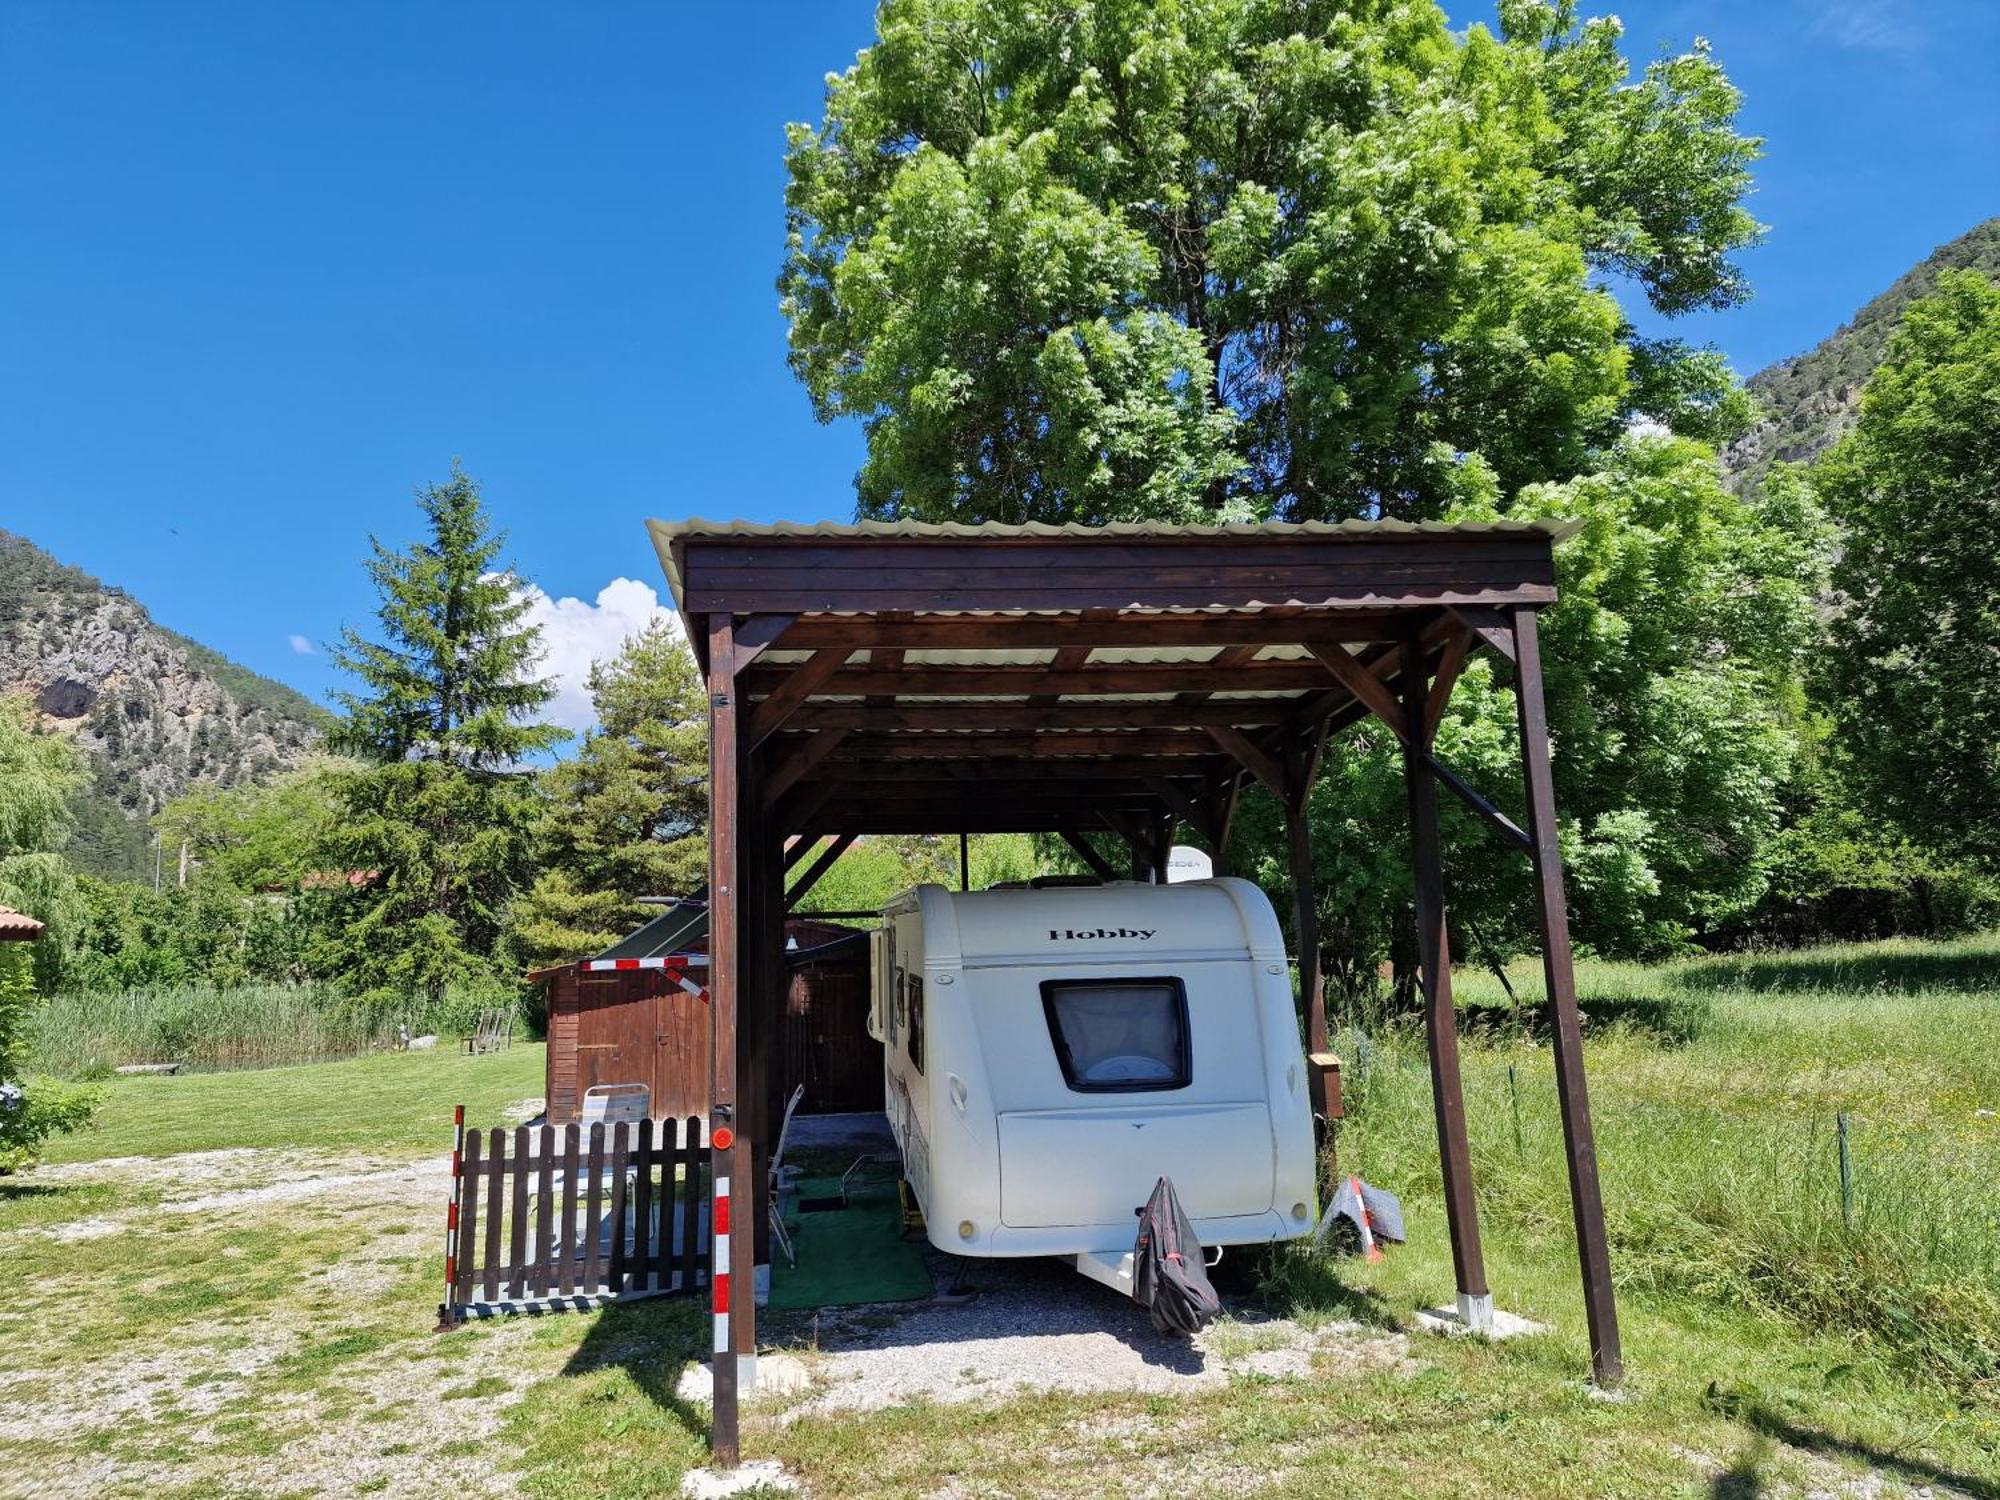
point(666, 534)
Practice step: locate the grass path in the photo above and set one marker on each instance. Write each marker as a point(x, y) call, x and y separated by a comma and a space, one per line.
point(277, 1342)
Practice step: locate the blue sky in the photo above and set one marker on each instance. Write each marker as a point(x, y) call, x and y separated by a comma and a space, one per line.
point(263, 269)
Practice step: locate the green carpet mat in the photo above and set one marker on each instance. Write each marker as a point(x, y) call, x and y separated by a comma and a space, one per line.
point(848, 1255)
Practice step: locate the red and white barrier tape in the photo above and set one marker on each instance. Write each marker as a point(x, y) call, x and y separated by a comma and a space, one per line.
point(674, 965)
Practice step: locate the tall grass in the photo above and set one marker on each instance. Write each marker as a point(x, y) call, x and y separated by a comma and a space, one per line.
point(1716, 1135)
point(205, 1027)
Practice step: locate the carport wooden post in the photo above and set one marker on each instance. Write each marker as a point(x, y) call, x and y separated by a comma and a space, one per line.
point(733, 1295)
point(1468, 1261)
point(1586, 1200)
point(1299, 763)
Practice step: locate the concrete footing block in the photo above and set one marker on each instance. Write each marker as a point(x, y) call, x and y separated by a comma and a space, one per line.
point(765, 1474)
point(757, 1375)
point(1477, 1317)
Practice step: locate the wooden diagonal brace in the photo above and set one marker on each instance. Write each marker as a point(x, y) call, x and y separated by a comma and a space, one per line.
point(1489, 624)
point(817, 868)
point(1247, 754)
point(1358, 680)
point(1450, 664)
point(788, 772)
point(770, 715)
point(754, 635)
point(1083, 850)
point(1369, 689)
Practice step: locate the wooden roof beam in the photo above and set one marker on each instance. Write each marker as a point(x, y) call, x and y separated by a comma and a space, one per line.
point(1027, 718)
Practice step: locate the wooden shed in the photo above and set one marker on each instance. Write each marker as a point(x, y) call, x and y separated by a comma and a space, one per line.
point(649, 1023)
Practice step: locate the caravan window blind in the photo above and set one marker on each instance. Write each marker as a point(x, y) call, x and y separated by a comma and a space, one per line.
point(1119, 1035)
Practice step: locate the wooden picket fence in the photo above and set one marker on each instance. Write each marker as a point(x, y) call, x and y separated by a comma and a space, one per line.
point(549, 1218)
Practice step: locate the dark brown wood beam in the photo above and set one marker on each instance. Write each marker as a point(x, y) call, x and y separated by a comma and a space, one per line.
point(1270, 627)
point(1492, 626)
point(1094, 861)
point(1559, 975)
point(1358, 680)
point(927, 679)
point(818, 868)
point(1022, 746)
point(1022, 716)
point(754, 635)
point(1440, 1013)
point(797, 761)
point(1251, 757)
point(1374, 696)
point(789, 692)
point(1182, 770)
point(1451, 661)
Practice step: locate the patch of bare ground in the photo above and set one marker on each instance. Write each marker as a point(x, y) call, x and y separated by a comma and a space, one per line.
point(218, 1184)
point(1037, 1326)
point(336, 1389)
point(1779, 1471)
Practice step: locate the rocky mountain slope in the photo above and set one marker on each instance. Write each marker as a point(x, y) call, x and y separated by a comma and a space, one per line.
point(1811, 400)
point(152, 709)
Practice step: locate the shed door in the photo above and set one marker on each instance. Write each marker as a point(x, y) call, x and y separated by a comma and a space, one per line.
point(613, 1035)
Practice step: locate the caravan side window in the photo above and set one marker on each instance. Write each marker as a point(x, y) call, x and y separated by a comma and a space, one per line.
point(1119, 1036)
point(916, 1015)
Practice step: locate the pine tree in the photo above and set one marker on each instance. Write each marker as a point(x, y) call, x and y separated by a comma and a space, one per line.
point(627, 817)
point(434, 831)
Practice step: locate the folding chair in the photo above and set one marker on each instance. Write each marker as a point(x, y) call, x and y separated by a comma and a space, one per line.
point(775, 1183)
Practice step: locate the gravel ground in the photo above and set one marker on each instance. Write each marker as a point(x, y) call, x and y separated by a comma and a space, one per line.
point(1037, 1325)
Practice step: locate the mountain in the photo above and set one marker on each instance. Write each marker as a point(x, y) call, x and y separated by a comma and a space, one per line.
point(152, 710)
point(1811, 400)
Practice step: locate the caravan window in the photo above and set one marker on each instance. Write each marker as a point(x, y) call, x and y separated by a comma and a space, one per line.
point(1116, 1036)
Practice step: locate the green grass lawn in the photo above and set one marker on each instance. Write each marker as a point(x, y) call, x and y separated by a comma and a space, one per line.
point(1773, 1347)
point(391, 1102)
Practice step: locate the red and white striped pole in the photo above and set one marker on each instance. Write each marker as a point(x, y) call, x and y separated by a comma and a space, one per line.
point(718, 1273)
point(446, 1319)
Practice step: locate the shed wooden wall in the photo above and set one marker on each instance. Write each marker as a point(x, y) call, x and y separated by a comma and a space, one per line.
point(638, 1026)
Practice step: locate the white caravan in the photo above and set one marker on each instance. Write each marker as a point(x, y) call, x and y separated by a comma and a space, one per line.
point(1051, 1052)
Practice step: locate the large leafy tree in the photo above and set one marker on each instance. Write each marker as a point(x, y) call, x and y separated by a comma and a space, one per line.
point(1674, 656)
point(1915, 672)
point(434, 830)
point(38, 772)
point(256, 834)
point(1103, 259)
point(627, 816)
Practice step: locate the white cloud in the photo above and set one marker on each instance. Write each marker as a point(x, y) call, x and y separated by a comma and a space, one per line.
point(576, 633)
point(1869, 25)
point(302, 644)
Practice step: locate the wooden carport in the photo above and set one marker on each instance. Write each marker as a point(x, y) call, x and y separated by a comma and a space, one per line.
point(905, 678)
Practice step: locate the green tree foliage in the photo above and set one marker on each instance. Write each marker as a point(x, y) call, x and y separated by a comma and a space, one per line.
point(208, 931)
point(39, 775)
point(438, 823)
point(1915, 669)
point(255, 835)
point(628, 816)
point(38, 772)
point(1121, 258)
point(1673, 657)
point(882, 866)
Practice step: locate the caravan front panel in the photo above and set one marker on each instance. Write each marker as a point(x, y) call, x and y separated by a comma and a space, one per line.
point(1051, 1053)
